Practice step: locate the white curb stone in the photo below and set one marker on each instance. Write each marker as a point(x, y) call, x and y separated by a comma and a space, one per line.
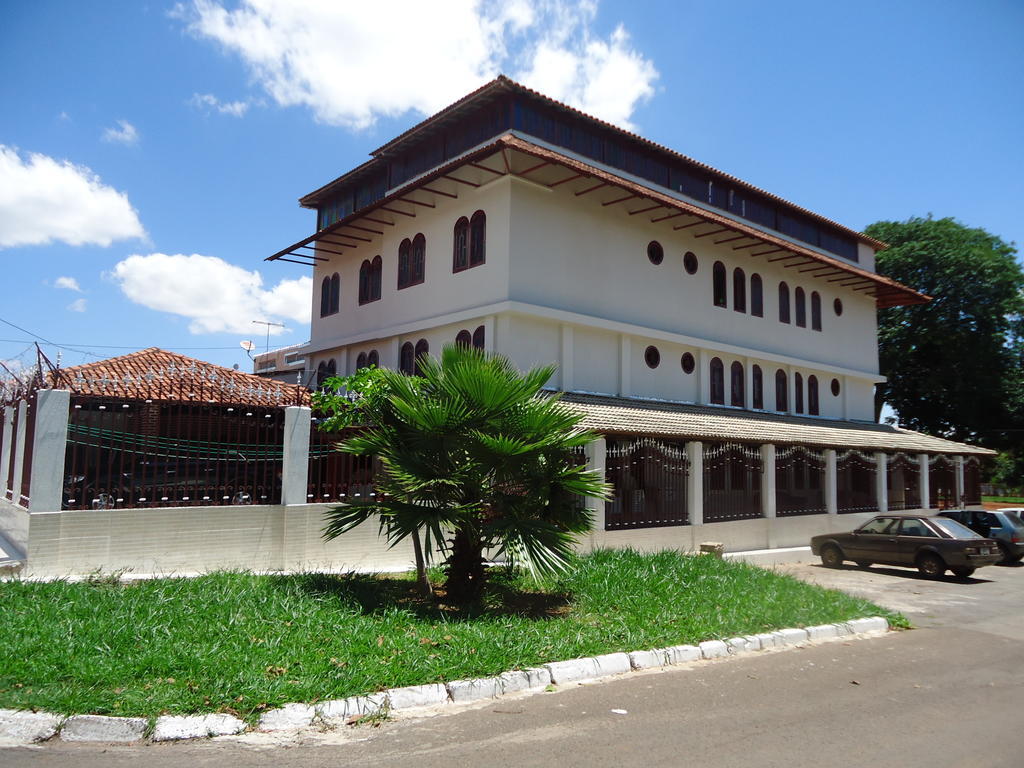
point(288, 717)
point(766, 639)
point(713, 649)
point(25, 727)
point(842, 629)
point(572, 671)
point(524, 679)
point(613, 664)
point(682, 654)
point(647, 659)
point(413, 696)
point(354, 706)
point(474, 690)
point(790, 636)
point(173, 727)
point(740, 645)
point(874, 624)
point(100, 728)
point(753, 642)
point(822, 632)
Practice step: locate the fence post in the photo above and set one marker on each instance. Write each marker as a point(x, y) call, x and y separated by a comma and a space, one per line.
point(768, 481)
point(831, 481)
point(695, 482)
point(49, 446)
point(597, 461)
point(923, 480)
point(961, 498)
point(295, 464)
point(6, 446)
point(881, 481)
point(19, 453)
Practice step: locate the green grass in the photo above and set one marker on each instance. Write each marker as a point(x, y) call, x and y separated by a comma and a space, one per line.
point(241, 643)
point(1004, 499)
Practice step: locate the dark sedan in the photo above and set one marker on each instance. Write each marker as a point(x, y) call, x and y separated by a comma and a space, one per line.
point(932, 544)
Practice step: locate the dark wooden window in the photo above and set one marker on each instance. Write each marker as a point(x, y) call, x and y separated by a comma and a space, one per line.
point(464, 339)
point(364, 281)
point(798, 393)
point(478, 337)
point(361, 361)
point(717, 381)
point(835, 387)
point(690, 263)
point(812, 396)
point(758, 387)
point(422, 350)
point(321, 372)
point(460, 245)
point(652, 357)
point(688, 363)
point(404, 256)
point(801, 308)
point(373, 358)
point(736, 384)
point(739, 290)
point(418, 267)
point(781, 393)
point(477, 238)
point(325, 297)
point(837, 307)
point(783, 303)
point(376, 276)
point(756, 296)
point(721, 297)
point(406, 359)
point(815, 311)
point(655, 252)
point(335, 292)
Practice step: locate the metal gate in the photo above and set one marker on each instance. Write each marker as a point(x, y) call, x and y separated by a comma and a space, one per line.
point(902, 481)
point(732, 482)
point(972, 480)
point(856, 482)
point(648, 479)
point(799, 481)
point(941, 482)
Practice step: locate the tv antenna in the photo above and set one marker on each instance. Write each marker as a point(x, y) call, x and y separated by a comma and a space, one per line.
point(269, 325)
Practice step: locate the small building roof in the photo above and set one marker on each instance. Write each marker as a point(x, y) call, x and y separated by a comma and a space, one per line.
point(156, 374)
point(627, 416)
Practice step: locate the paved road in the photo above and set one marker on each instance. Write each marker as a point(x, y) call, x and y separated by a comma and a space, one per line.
point(948, 694)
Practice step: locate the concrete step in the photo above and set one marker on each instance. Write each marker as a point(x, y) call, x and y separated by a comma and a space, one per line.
point(777, 556)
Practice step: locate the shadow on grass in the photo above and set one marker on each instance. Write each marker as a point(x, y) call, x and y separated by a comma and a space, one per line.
point(378, 593)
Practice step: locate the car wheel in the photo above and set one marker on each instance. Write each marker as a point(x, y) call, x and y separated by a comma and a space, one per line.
point(831, 557)
point(964, 572)
point(931, 565)
point(864, 563)
point(1008, 556)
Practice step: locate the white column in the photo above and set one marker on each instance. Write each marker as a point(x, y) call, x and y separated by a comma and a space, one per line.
point(389, 353)
point(6, 446)
point(295, 466)
point(502, 334)
point(842, 393)
point(768, 481)
point(748, 384)
point(881, 488)
point(489, 334)
point(625, 366)
point(695, 482)
point(831, 478)
point(791, 377)
point(958, 464)
point(342, 362)
point(49, 444)
point(19, 453)
point(597, 455)
point(566, 366)
point(922, 479)
point(704, 377)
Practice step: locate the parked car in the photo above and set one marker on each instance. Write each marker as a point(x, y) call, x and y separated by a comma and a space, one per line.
point(932, 544)
point(1003, 525)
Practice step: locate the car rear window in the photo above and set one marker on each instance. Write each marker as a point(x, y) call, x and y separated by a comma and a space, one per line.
point(954, 529)
point(880, 525)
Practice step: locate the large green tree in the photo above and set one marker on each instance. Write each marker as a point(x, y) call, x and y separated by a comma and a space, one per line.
point(953, 365)
point(474, 459)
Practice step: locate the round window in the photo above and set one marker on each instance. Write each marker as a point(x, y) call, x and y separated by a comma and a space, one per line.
point(652, 357)
point(835, 386)
point(690, 263)
point(655, 252)
point(687, 362)
point(837, 305)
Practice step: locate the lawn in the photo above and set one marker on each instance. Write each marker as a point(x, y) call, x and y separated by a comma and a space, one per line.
point(1003, 499)
point(241, 643)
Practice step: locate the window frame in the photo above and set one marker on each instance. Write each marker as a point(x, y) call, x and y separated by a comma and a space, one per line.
point(781, 391)
point(739, 290)
point(407, 359)
point(757, 388)
point(422, 350)
point(815, 311)
point(716, 379)
point(798, 392)
point(477, 239)
point(800, 307)
point(756, 295)
point(784, 314)
point(480, 338)
point(460, 245)
point(737, 385)
point(464, 338)
point(813, 403)
point(719, 287)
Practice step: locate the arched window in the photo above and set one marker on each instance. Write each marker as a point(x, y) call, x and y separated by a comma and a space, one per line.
point(335, 292)
point(478, 337)
point(801, 308)
point(361, 361)
point(460, 245)
point(407, 359)
point(373, 358)
point(783, 303)
point(798, 393)
point(418, 268)
point(739, 290)
point(758, 386)
point(325, 297)
point(364, 281)
point(717, 381)
point(718, 277)
point(422, 350)
point(464, 339)
point(812, 395)
point(321, 373)
point(404, 253)
point(756, 296)
point(736, 384)
point(376, 274)
point(815, 311)
point(781, 393)
point(477, 238)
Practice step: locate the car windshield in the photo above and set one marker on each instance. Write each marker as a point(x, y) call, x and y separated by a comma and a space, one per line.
point(954, 529)
point(1014, 515)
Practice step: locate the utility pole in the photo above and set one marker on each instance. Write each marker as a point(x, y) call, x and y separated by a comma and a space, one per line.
point(267, 323)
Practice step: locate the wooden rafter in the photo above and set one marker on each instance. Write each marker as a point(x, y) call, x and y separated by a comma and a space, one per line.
point(442, 193)
point(379, 221)
point(533, 168)
point(696, 223)
point(418, 202)
point(712, 232)
point(630, 196)
point(396, 210)
point(364, 229)
point(588, 190)
point(668, 216)
point(560, 182)
point(731, 239)
point(489, 170)
point(645, 210)
point(461, 181)
point(320, 249)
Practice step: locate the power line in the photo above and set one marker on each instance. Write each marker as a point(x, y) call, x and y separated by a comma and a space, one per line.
point(47, 341)
point(107, 346)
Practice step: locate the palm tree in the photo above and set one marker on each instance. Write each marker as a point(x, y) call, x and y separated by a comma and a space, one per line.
point(474, 459)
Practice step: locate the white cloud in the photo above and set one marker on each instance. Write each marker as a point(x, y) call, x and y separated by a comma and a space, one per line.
point(209, 101)
point(215, 295)
point(351, 63)
point(43, 200)
point(67, 282)
point(125, 133)
point(78, 305)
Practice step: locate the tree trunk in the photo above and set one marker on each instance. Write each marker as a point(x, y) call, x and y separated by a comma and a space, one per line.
point(465, 569)
point(422, 579)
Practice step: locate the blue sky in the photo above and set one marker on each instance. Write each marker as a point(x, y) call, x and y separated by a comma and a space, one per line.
point(151, 154)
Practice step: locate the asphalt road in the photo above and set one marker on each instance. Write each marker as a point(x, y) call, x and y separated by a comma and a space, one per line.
point(948, 694)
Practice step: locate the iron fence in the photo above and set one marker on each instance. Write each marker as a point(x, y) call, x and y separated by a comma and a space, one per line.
point(856, 482)
point(799, 481)
point(941, 483)
point(902, 482)
point(11, 483)
point(130, 453)
point(335, 476)
point(972, 480)
point(732, 482)
point(648, 479)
